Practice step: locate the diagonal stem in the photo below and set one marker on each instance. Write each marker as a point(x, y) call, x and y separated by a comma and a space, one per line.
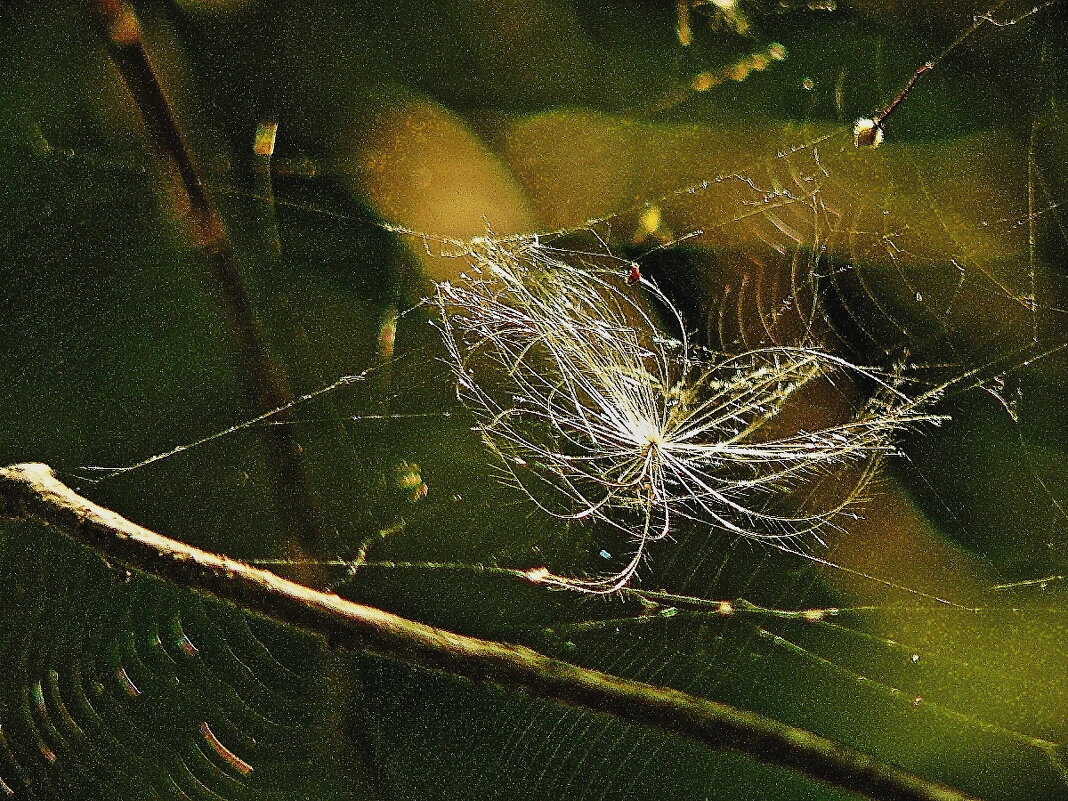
point(264, 383)
point(31, 491)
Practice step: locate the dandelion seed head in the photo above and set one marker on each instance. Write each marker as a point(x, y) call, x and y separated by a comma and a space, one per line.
point(597, 414)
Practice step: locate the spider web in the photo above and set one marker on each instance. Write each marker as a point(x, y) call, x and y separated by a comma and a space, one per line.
point(930, 630)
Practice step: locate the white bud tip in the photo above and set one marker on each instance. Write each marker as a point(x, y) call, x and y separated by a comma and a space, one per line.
point(867, 133)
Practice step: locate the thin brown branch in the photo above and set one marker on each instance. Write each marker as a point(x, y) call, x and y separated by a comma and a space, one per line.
point(264, 384)
point(31, 491)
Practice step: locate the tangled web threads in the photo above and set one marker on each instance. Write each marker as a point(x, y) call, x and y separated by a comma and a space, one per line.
point(597, 414)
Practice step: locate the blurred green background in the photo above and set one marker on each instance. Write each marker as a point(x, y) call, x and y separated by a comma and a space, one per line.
point(943, 248)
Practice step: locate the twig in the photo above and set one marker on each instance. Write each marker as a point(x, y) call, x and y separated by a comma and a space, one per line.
point(264, 385)
point(880, 118)
point(31, 491)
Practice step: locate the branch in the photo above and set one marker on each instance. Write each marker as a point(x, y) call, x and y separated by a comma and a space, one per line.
point(264, 383)
point(31, 491)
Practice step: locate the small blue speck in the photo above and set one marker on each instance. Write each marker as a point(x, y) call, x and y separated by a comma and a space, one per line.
point(605, 554)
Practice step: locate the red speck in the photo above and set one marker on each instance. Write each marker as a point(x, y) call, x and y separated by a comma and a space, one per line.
point(634, 275)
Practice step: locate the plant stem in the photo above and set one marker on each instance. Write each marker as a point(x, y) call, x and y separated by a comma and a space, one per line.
point(264, 384)
point(31, 491)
